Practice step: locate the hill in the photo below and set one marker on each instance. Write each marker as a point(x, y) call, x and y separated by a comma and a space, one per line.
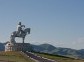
point(13, 57)
point(2, 47)
point(47, 48)
point(59, 58)
point(19, 57)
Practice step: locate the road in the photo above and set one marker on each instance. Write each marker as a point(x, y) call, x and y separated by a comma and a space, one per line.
point(38, 58)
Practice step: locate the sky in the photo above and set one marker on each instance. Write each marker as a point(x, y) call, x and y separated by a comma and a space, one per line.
point(56, 22)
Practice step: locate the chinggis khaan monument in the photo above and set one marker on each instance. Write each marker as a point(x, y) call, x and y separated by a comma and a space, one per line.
point(21, 32)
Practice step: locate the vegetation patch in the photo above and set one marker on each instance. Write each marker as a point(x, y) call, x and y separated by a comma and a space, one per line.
point(59, 58)
point(14, 57)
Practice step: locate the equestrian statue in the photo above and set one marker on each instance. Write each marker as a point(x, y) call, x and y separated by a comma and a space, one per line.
point(21, 32)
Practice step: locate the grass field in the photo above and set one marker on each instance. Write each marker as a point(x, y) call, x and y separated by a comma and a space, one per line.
point(59, 58)
point(14, 57)
point(19, 57)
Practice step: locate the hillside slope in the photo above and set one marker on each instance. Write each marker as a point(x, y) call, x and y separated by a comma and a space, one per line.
point(47, 48)
point(13, 57)
point(59, 58)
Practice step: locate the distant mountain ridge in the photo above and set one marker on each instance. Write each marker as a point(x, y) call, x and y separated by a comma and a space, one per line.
point(2, 47)
point(47, 48)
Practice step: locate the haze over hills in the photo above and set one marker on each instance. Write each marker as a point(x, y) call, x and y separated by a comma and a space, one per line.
point(47, 48)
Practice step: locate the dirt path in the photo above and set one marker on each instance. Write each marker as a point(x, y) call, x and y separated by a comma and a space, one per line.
point(39, 58)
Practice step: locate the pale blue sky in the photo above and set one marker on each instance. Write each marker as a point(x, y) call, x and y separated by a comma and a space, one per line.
point(57, 22)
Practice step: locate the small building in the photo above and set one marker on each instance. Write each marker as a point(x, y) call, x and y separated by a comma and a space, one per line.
point(9, 46)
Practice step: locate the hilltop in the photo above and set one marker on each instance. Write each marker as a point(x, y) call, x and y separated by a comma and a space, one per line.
point(13, 57)
point(50, 49)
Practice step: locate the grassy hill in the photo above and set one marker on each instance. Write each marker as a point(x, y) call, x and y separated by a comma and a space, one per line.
point(47, 48)
point(59, 58)
point(14, 57)
point(19, 57)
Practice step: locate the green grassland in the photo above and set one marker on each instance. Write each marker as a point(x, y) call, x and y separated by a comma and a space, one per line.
point(59, 58)
point(14, 57)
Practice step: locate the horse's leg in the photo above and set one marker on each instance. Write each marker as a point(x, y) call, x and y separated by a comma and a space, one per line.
point(23, 39)
point(12, 39)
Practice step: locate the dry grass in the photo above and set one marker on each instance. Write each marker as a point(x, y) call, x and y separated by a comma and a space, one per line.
point(14, 57)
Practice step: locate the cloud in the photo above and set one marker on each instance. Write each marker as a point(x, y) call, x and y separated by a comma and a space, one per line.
point(78, 43)
point(75, 44)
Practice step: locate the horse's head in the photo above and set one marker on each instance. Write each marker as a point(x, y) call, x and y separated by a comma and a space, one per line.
point(27, 30)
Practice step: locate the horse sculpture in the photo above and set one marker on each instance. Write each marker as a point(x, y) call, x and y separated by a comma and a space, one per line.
point(21, 35)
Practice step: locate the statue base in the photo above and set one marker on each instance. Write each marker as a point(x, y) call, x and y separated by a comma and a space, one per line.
point(18, 47)
point(23, 47)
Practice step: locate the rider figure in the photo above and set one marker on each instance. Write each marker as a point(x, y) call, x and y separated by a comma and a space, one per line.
point(20, 28)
